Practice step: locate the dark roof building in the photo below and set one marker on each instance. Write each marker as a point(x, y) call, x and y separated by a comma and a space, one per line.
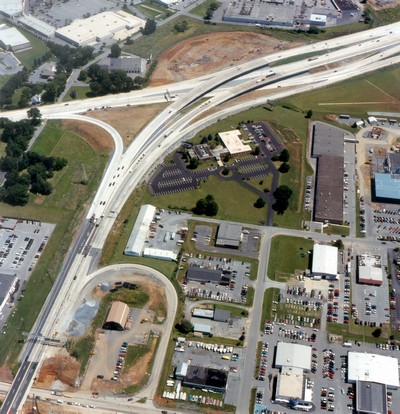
point(132, 65)
point(117, 316)
point(329, 189)
point(371, 398)
point(203, 152)
point(344, 5)
point(221, 315)
point(197, 274)
point(393, 163)
point(327, 140)
point(208, 378)
point(229, 235)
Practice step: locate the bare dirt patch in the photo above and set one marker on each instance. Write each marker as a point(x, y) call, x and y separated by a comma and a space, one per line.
point(5, 373)
point(128, 121)
point(60, 367)
point(207, 53)
point(95, 136)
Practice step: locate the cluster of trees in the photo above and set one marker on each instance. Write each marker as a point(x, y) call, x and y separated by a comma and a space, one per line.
point(282, 196)
point(284, 157)
point(103, 83)
point(25, 170)
point(69, 58)
point(184, 326)
point(211, 140)
point(15, 82)
point(181, 26)
point(150, 27)
point(260, 203)
point(206, 206)
point(211, 9)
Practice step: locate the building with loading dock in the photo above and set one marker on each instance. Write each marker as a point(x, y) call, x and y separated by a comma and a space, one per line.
point(324, 262)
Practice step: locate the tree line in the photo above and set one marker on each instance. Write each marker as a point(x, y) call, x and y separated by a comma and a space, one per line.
point(26, 171)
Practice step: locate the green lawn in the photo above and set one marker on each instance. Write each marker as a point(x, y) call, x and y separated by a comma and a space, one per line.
point(153, 10)
point(202, 8)
point(4, 79)
point(63, 208)
point(234, 310)
point(337, 229)
point(39, 48)
point(287, 255)
point(270, 295)
point(81, 92)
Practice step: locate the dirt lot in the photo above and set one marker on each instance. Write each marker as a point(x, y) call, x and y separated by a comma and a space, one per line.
point(128, 121)
point(207, 53)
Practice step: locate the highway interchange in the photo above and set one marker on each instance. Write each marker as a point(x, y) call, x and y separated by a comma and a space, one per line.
point(354, 54)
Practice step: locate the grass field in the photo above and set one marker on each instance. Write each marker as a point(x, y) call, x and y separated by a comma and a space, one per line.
point(378, 91)
point(81, 92)
point(287, 255)
point(38, 49)
point(234, 310)
point(337, 229)
point(63, 207)
point(202, 8)
point(153, 10)
point(270, 295)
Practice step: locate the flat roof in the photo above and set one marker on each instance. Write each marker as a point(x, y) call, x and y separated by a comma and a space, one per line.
point(345, 5)
point(370, 268)
point(371, 397)
point(181, 369)
point(233, 143)
point(327, 140)
point(11, 7)
point(329, 189)
point(11, 36)
point(203, 275)
point(159, 254)
point(138, 235)
point(202, 327)
point(37, 25)
point(293, 355)
point(290, 383)
point(229, 234)
point(117, 24)
point(387, 186)
point(206, 377)
point(373, 368)
point(325, 260)
point(222, 315)
point(203, 313)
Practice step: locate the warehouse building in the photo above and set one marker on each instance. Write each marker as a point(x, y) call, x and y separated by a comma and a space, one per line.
point(206, 378)
point(39, 27)
point(203, 313)
point(386, 188)
point(202, 328)
point(221, 315)
point(11, 8)
point(135, 244)
point(370, 270)
point(229, 235)
point(160, 254)
point(293, 356)
point(117, 316)
point(102, 27)
point(7, 288)
point(197, 274)
point(132, 65)
point(371, 398)
point(181, 371)
point(12, 39)
point(233, 143)
point(325, 261)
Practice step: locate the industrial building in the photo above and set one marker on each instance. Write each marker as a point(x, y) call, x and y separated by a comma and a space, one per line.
point(325, 261)
point(160, 254)
point(11, 8)
point(392, 163)
point(376, 368)
point(386, 188)
point(39, 27)
point(197, 274)
point(371, 398)
point(181, 371)
point(233, 143)
point(117, 316)
point(206, 378)
point(106, 26)
point(12, 39)
point(203, 313)
point(370, 270)
point(221, 315)
point(202, 328)
point(326, 140)
point(135, 244)
point(293, 356)
point(229, 235)
point(7, 288)
point(329, 189)
point(132, 65)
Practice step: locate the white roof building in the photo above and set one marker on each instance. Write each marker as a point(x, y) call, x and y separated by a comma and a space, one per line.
point(370, 269)
point(37, 25)
point(233, 143)
point(135, 244)
point(117, 25)
point(325, 261)
point(12, 39)
point(373, 368)
point(293, 356)
point(203, 313)
point(11, 7)
point(160, 254)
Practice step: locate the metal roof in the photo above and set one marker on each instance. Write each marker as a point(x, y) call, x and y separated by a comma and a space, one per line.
point(202, 327)
point(117, 315)
point(325, 260)
point(203, 313)
point(387, 186)
point(12, 37)
point(371, 397)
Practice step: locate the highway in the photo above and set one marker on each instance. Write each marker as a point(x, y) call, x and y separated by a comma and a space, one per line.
point(357, 53)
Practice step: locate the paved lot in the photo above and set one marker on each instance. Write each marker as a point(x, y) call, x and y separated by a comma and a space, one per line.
point(9, 64)
point(21, 245)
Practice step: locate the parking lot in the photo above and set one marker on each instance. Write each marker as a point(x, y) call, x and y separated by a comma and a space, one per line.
point(9, 64)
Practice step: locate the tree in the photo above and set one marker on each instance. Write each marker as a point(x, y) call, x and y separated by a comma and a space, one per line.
point(284, 168)
point(73, 94)
point(181, 27)
point(284, 156)
point(149, 27)
point(339, 244)
point(282, 195)
point(309, 114)
point(225, 171)
point(184, 326)
point(256, 150)
point(206, 206)
point(35, 115)
point(193, 163)
point(115, 51)
point(16, 195)
point(260, 203)
point(377, 333)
